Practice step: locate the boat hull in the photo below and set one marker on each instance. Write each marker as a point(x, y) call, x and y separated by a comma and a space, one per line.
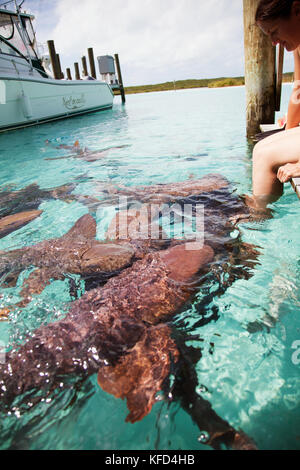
point(27, 102)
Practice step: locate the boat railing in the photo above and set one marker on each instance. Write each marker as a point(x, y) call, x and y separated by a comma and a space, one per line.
point(20, 28)
point(3, 5)
point(7, 2)
point(42, 49)
point(10, 59)
point(21, 31)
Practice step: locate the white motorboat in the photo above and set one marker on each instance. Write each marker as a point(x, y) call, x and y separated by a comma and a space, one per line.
point(28, 94)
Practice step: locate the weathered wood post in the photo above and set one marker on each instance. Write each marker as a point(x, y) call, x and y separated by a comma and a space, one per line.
point(260, 77)
point(77, 74)
point(53, 59)
point(120, 78)
point(59, 66)
point(68, 72)
point(84, 66)
point(92, 62)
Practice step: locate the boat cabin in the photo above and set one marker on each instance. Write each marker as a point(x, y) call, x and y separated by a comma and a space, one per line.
point(18, 42)
point(28, 95)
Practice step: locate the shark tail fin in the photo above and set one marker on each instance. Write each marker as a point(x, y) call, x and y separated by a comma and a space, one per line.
point(140, 374)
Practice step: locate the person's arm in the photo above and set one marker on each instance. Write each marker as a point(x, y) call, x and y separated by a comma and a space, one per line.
point(293, 116)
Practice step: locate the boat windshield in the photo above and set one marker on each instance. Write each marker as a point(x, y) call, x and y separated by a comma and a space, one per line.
point(19, 34)
point(6, 26)
point(5, 48)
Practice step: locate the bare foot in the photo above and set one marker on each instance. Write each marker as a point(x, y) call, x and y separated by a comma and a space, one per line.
point(259, 203)
point(256, 210)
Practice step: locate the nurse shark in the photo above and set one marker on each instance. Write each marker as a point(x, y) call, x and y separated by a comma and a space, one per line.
point(30, 197)
point(77, 251)
point(18, 206)
point(85, 153)
point(123, 330)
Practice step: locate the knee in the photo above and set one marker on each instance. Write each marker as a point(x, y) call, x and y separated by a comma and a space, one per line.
point(262, 155)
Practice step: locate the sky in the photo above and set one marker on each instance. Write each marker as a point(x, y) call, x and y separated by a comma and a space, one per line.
point(157, 40)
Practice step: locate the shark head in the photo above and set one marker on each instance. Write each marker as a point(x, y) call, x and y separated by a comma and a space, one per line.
point(107, 257)
point(184, 262)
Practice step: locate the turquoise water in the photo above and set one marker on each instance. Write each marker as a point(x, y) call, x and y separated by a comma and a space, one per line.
point(252, 378)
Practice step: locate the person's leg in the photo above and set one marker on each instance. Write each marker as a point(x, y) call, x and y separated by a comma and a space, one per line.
point(268, 156)
point(275, 137)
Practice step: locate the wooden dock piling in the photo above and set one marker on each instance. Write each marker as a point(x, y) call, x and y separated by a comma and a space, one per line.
point(77, 73)
point(92, 62)
point(53, 58)
point(59, 66)
point(84, 66)
point(260, 76)
point(121, 87)
point(68, 72)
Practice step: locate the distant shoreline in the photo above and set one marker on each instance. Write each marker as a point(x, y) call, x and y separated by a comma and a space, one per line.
point(193, 83)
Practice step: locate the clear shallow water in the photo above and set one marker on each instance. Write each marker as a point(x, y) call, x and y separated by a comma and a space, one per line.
point(250, 379)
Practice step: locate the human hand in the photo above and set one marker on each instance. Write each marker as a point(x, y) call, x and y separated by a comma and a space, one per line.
point(288, 171)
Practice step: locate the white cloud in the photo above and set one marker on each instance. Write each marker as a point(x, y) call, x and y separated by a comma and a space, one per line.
point(157, 40)
point(152, 37)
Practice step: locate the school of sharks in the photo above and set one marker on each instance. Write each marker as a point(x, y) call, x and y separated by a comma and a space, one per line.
point(122, 326)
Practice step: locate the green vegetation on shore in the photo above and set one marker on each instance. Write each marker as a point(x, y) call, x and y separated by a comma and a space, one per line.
point(201, 83)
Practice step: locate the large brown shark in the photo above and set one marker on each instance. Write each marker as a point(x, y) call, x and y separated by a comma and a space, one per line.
point(122, 332)
point(165, 192)
point(76, 252)
point(30, 197)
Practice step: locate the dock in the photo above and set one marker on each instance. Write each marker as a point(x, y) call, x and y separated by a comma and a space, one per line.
point(295, 182)
point(107, 65)
point(263, 79)
point(269, 127)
